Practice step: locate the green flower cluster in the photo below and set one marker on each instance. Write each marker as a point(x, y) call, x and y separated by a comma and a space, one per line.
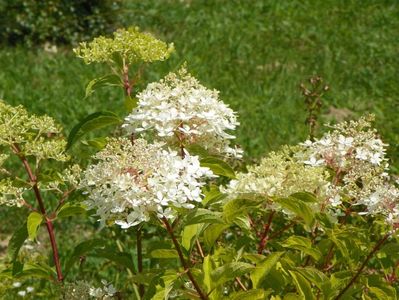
point(37, 136)
point(131, 44)
point(280, 174)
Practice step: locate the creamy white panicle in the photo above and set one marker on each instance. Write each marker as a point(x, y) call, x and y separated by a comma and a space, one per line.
point(133, 180)
point(347, 164)
point(357, 156)
point(181, 111)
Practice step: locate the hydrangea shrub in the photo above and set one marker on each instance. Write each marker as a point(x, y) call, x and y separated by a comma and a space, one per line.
point(173, 219)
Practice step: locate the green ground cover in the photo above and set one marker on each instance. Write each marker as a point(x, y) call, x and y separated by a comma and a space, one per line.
point(255, 52)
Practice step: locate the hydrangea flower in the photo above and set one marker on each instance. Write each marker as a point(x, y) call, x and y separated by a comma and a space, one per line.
point(181, 111)
point(131, 44)
point(131, 181)
point(280, 174)
point(37, 136)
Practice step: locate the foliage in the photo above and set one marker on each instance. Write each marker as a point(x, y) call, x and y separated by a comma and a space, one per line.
point(56, 21)
point(317, 220)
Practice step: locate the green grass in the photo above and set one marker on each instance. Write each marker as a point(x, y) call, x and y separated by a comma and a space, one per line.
point(255, 52)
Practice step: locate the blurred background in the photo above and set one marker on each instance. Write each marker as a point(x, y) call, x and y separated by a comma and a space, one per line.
point(256, 53)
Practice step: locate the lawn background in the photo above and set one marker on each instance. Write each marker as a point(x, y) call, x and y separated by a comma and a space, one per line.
point(256, 53)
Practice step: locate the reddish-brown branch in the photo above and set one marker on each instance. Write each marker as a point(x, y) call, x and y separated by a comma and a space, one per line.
point(359, 271)
point(49, 224)
point(264, 236)
point(140, 258)
point(201, 294)
point(282, 230)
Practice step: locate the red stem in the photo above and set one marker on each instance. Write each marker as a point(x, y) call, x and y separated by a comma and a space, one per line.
point(126, 84)
point(140, 258)
point(264, 236)
point(359, 271)
point(201, 294)
point(49, 224)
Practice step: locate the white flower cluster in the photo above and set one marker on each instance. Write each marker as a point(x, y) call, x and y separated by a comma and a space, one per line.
point(133, 180)
point(106, 292)
point(179, 110)
point(347, 164)
point(356, 155)
point(23, 292)
point(350, 143)
point(11, 195)
point(280, 174)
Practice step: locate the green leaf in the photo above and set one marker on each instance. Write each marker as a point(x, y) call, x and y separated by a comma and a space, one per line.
point(107, 80)
point(212, 195)
point(207, 269)
point(212, 233)
point(33, 223)
point(230, 271)
point(190, 233)
point(201, 215)
point(238, 207)
point(130, 103)
point(250, 295)
point(198, 150)
point(69, 210)
point(302, 244)
point(218, 166)
point(121, 258)
point(305, 197)
point(298, 207)
point(164, 253)
point(302, 285)
point(316, 277)
point(263, 268)
point(82, 249)
point(97, 143)
point(92, 122)
point(16, 242)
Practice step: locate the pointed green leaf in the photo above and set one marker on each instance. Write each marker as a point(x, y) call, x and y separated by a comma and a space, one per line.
point(264, 267)
point(69, 210)
point(302, 244)
point(212, 233)
point(250, 295)
point(97, 143)
point(82, 249)
point(230, 271)
point(121, 258)
point(130, 103)
point(164, 253)
point(212, 195)
point(190, 233)
point(238, 207)
point(16, 242)
point(92, 122)
point(298, 207)
point(302, 285)
point(207, 269)
point(218, 166)
point(33, 223)
point(316, 277)
point(107, 80)
point(305, 197)
point(201, 215)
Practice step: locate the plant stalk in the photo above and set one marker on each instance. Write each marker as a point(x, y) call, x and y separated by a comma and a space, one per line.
point(140, 258)
point(49, 224)
point(201, 294)
point(265, 234)
point(359, 271)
